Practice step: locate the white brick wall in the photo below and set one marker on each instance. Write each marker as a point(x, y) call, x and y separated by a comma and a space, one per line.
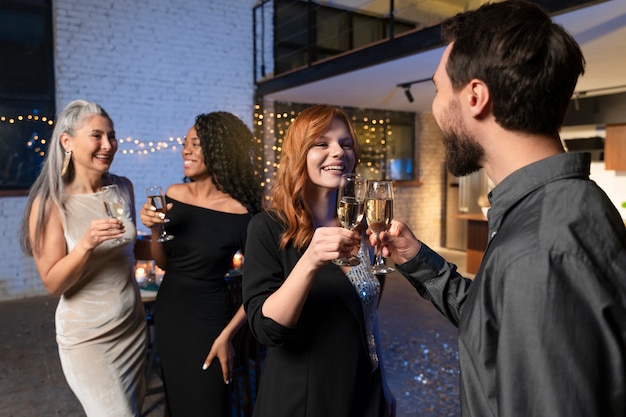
point(18, 276)
point(153, 65)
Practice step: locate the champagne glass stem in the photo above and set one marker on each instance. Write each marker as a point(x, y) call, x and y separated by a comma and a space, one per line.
point(379, 249)
point(162, 234)
point(380, 267)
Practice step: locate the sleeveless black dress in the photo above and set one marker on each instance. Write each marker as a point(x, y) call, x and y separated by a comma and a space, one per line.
point(192, 306)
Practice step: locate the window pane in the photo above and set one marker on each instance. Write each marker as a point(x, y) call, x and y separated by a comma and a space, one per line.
point(27, 103)
point(22, 51)
point(24, 134)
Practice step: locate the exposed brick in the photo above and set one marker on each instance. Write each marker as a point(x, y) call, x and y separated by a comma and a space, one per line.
point(421, 206)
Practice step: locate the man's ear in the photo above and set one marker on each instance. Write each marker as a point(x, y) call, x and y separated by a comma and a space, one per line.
point(479, 98)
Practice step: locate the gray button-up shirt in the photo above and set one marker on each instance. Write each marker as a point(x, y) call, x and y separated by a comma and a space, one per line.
point(542, 328)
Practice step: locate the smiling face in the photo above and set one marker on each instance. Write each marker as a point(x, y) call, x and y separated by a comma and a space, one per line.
point(331, 155)
point(193, 157)
point(93, 145)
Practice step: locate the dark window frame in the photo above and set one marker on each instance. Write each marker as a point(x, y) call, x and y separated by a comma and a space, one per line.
point(27, 91)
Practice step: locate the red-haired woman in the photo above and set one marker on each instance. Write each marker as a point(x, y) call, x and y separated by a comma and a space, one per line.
point(317, 319)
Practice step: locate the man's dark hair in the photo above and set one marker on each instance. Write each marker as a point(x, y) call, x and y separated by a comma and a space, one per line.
point(530, 64)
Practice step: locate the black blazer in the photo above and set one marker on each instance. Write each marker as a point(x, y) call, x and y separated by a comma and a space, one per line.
point(320, 368)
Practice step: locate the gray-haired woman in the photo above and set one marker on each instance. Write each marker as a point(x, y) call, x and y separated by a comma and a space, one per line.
point(100, 323)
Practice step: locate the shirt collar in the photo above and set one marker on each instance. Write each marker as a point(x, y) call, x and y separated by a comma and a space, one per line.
point(531, 177)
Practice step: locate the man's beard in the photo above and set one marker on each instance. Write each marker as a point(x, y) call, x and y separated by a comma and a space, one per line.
point(463, 153)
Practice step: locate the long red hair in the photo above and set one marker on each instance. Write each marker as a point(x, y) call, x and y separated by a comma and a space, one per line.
point(287, 195)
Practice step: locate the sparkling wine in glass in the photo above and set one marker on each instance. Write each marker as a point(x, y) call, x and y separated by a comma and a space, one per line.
point(114, 207)
point(379, 212)
point(350, 208)
point(157, 199)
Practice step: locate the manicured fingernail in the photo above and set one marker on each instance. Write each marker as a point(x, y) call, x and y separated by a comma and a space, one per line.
point(161, 216)
point(204, 367)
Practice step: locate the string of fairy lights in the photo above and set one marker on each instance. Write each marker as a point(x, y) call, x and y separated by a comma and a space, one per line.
point(128, 145)
point(35, 143)
point(270, 128)
point(139, 147)
point(372, 133)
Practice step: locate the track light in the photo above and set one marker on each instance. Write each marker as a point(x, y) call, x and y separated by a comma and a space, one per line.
point(407, 93)
point(407, 88)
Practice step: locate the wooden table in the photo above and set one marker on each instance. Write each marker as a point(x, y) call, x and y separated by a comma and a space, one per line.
point(477, 238)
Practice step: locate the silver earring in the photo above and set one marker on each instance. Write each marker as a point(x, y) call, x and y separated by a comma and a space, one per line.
point(66, 162)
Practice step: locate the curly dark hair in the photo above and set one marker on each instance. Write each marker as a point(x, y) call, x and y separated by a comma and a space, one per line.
point(230, 151)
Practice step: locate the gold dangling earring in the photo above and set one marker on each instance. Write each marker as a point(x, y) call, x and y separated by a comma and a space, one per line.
point(66, 162)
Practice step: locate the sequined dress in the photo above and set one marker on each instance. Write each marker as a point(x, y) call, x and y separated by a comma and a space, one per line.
point(368, 289)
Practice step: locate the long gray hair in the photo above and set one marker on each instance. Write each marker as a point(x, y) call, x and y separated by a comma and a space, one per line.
point(49, 187)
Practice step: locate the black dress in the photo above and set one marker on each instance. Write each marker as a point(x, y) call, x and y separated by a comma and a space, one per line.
point(192, 306)
point(322, 366)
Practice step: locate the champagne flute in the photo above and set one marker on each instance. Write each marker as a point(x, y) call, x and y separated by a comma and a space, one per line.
point(350, 208)
point(114, 207)
point(157, 199)
point(379, 212)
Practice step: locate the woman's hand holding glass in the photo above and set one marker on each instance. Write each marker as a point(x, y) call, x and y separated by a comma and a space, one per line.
point(153, 216)
point(114, 207)
point(330, 243)
point(102, 230)
point(157, 210)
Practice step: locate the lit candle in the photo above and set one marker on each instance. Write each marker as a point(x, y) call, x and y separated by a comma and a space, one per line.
point(237, 261)
point(141, 275)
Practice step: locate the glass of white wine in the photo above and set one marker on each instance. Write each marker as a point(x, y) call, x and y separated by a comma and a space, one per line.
point(378, 213)
point(350, 208)
point(157, 199)
point(114, 207)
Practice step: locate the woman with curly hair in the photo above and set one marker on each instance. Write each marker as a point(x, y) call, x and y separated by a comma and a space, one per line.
point(317, 319)
point(208, 215)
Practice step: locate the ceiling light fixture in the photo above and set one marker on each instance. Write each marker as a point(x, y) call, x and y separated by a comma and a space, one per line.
point(407, 93)
point(407, 87)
